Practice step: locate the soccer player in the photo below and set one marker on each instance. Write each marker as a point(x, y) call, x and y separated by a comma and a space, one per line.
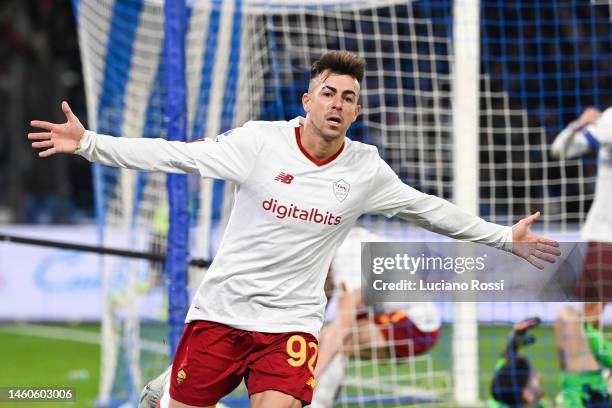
point(300, 187)
point(583, 353)
point(397, 330)
point(412, 327)
point(515, 383)
point(593, 131)
point(400, 329)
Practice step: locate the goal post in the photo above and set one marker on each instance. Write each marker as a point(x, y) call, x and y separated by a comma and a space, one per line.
point(466, 181)
point(175, 16)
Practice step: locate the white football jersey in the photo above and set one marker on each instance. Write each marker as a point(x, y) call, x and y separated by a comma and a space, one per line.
point(571, 143)
point(290, 214)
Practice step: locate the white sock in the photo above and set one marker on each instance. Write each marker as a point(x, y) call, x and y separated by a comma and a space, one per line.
point(165, 399)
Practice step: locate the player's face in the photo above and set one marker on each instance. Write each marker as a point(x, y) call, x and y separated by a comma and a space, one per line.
point(331, 104)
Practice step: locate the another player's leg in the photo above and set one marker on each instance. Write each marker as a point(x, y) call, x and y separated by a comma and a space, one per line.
point(578, 366)
point(330, 369)
point(334, 334)
point(329, 383)
point(571, 344)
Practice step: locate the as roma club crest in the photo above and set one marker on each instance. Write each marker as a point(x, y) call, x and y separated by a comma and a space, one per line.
point(341, 189)
point(181, 376)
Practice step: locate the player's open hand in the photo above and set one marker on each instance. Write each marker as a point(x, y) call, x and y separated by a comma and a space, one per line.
point(58, 137)
point(533, 247)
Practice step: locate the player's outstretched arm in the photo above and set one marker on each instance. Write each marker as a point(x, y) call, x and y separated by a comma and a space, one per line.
point(228, 158)
point(140, 153)
point(445, 218)
point(570, 143)
point(57, 137)
point(533, 247)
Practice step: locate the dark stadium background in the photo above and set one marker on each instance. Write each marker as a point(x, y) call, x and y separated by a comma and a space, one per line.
point(40, 66)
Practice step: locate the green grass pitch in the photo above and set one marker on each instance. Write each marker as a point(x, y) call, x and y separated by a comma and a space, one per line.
point(30, 358)
point(35, 355)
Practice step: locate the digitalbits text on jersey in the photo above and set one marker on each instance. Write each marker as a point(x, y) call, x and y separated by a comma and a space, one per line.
point(291, 210)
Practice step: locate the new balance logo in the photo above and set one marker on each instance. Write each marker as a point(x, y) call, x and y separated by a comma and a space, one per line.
point(284, 178)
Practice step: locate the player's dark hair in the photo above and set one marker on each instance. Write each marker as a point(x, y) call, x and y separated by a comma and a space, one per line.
point(339, 62)
point(510, 381)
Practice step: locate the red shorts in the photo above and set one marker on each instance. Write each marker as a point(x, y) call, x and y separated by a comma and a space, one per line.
point(212, 359)
point(595, 282)
point(403, 336)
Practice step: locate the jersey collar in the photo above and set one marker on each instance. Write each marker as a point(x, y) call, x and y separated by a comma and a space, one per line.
point(318, 163)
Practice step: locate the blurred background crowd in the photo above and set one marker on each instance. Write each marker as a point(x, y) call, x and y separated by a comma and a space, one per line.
point(40, 67)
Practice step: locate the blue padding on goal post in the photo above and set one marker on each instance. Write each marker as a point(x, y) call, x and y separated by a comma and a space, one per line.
point(76, 10)
point(175, 14)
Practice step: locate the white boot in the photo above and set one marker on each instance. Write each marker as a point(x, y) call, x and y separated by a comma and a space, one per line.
point(152, 393)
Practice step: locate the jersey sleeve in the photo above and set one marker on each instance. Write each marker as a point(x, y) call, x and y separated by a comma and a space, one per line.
point(569, 143)
point(577, 140)
point(391, 197)
point(600, 347)
point(230, 156)
point(601, 130)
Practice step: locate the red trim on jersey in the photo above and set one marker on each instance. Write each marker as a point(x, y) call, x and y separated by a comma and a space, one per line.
point(319, 163)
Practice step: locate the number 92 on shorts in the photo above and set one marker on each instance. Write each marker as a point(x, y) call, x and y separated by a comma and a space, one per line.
point(212, 359)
